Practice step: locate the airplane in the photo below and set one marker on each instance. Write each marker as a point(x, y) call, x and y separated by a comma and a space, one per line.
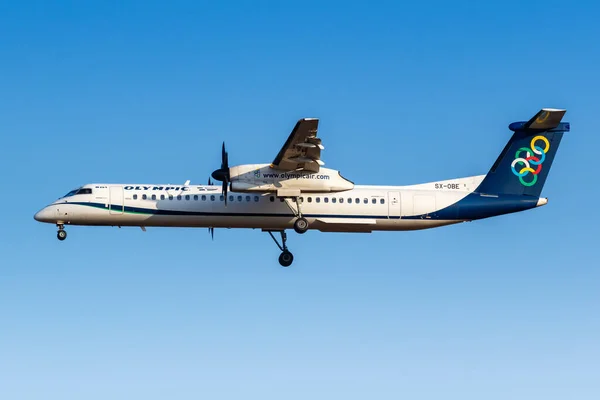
point(296, 191)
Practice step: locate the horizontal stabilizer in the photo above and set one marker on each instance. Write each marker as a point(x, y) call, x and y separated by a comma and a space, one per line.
point(547, 118)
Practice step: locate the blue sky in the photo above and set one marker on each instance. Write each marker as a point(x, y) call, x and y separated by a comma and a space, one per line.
point(406, 93)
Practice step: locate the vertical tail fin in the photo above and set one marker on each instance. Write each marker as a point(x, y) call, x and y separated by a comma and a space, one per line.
point(523, 165)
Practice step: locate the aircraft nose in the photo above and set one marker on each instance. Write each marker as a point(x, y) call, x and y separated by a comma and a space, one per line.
point(44, 215)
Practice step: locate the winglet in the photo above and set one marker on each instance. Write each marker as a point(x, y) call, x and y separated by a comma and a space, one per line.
point(545, 119)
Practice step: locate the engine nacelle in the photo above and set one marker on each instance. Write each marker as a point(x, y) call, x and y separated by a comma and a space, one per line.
point(263, 178)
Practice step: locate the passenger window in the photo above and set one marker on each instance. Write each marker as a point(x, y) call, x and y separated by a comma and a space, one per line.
point(309, 199)
point(357, 200)
point(382, 201)
point(212, 198)
point(187, 196)
point(318, 199)
point(333, 200)
point(196, 197)
point(349, 200)
point(178, 197)
point(326, 199)
point(162, 196)
point(135, 196)
point(144, 197)
point(374, 201)
point(203, 197)
point(221, 198)
point(341, 199)
point(239, 198)
point(230, 198)
point(256, 199)
point(366, 201)
point(153, 197)
point(248, 198)
point(170, 197)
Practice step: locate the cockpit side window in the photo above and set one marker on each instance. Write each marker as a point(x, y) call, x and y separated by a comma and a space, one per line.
point(71, 193)
point(79, 191)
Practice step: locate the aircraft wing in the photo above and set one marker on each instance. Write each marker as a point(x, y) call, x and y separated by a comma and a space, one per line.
point(302, 149)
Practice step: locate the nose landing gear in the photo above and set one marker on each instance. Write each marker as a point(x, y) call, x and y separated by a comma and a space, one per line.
point(61, 234)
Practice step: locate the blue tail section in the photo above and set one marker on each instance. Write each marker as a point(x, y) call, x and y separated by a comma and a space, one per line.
point(524, 164)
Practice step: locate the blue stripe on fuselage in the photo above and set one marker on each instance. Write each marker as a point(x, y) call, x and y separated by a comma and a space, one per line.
point(150, 211)
point(473, 206)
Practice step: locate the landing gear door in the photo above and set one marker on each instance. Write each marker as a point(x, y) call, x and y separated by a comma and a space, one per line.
point(393, 205)
point(115, 201)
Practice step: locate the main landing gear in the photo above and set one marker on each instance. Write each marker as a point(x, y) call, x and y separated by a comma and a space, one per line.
point(286, 257)
point(61, 234)
point(301, 223)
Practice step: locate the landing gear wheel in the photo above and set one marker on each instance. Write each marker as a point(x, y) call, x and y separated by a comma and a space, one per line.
point(301, 225)
point(286, 259)
point(61, 235)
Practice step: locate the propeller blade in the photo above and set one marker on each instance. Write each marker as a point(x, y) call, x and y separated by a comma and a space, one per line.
point(222, 174)
point(224, 157)
point(211, 230)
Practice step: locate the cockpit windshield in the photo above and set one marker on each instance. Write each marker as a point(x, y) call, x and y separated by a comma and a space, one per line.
point(78, 191)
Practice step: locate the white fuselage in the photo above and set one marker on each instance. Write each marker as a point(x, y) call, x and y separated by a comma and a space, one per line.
point(362, 209)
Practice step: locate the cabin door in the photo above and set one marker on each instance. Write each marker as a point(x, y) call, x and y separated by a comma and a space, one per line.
point(394, 205)
point(115, 200)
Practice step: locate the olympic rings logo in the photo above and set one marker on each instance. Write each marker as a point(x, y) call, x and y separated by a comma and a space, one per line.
point(534, 157)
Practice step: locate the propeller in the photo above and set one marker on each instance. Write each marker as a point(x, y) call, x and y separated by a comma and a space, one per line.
point(211, 230)
point(222, 174)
